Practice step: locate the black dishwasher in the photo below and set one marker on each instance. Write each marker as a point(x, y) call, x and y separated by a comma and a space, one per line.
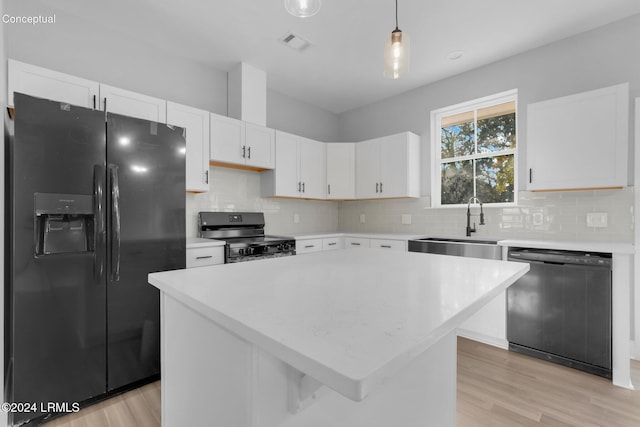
point(561, 309)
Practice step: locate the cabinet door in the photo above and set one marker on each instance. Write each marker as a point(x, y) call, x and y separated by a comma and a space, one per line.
point(307, 246)
point(201, 257)
point(196, 125)
point(332, 243)
point(393, 165)
point(313, 168)
point(260, 147)
point(286, 175)
point(368, 169)
point(48, 84)
point(579, 141)
point(132, 104)
point(356, 243)
point(391, 245)
point(341, 170)
point(226, 140)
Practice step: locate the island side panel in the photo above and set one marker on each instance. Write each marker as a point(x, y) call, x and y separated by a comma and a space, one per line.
point(212, 377)
point(205, 371)
point(422, 394)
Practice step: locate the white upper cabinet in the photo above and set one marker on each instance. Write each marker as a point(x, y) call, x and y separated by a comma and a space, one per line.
point(579, 141)
point(196, 125)
point(259, 142)
point(300, 168)
point(48, 84)
point(313, 169)
point(234, 142)
point(227, 140)
point(388, 167)
point(368, 169)
point(132, 104)
point(341, 178)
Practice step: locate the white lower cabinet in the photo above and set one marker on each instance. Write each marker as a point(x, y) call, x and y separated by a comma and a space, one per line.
point(203, 256)
point(356, 243)
point(332, 243)
point(394, 245)
point(306, 246)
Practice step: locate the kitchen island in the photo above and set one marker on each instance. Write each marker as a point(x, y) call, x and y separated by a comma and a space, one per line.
point(340, 338)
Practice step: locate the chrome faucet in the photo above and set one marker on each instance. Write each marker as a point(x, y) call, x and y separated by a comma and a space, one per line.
point(469, 229)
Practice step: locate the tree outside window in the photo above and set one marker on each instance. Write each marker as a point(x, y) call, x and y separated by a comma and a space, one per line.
point(476, 149)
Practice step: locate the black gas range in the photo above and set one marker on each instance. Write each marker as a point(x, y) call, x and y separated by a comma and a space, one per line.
point(243, 233)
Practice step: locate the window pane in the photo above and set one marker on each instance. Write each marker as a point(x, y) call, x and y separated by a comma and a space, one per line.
point(457, 182)
point(495, 179)
point(497, 128)
point(457, 140)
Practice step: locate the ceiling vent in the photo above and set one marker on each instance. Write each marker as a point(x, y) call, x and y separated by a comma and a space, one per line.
point(295, 42)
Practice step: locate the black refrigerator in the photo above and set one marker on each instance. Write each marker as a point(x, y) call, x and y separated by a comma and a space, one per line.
point(95, 202)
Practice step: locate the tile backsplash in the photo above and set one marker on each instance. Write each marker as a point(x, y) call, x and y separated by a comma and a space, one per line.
point(539, 215)
point(237, 190)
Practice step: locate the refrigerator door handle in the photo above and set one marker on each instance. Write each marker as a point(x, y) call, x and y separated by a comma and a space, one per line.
point(99, 221)
point(115, 223)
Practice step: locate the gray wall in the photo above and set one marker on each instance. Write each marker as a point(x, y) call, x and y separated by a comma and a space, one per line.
point(85, 49)
point(82, 48)
point(602, 57)
point(300, 118)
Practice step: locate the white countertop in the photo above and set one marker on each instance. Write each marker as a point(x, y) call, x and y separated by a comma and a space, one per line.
point(347, 318)
point(389, 236)
point(197, 242)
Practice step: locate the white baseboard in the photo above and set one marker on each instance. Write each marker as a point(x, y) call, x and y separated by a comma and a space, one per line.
point(635, 350)
point(485, 339)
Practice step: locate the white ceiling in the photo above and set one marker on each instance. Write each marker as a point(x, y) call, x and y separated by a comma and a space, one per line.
point(342, 69)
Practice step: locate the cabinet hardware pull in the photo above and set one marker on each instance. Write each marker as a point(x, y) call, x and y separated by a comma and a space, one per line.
point(309, 246)
point(377, 187)
point(380, 188)
point(94, 102)
point(204, 257)
point(355, 244)
point(206, 177)
point(530, 175)
point(299, 186)
point(303, 187)
point(332, 244)
point(244, 151)
point(249, 152)
point(385, 246)
point(328, 188)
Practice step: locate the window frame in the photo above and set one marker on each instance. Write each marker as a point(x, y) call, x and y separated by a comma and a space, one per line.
point(436, 160)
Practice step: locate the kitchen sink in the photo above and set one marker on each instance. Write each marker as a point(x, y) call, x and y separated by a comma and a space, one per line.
point(473, 248)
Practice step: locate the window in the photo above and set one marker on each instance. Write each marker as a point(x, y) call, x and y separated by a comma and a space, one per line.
point(475, 151)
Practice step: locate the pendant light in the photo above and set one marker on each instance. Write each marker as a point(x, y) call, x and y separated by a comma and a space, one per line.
point(302, 8)
point(396, 53)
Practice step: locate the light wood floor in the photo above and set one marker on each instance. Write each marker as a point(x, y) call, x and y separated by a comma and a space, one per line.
point(495, 388)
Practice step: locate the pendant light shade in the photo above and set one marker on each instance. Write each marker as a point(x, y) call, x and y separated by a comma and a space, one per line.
point(396, 52)
point(302, 8)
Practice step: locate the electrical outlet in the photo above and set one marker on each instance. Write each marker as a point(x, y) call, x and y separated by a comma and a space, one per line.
point(362, 219)
point(597, 219)
point(406, 219)
point(296, 218)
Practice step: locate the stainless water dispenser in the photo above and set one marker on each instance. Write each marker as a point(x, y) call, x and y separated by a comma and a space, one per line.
point(63, 223)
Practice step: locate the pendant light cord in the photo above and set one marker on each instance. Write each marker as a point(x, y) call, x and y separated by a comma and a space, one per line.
point(396, 14)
